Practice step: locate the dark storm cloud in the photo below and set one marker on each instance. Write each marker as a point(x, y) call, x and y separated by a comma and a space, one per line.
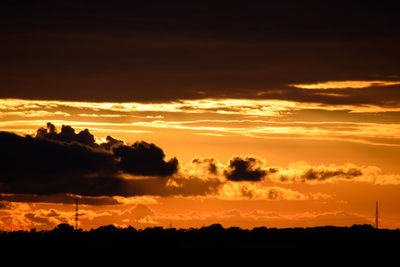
point(246, 169)
point(168, 50)
point(141, 158)
point(67, 134)
point(55, 163)
point(144, 159)
point(38, 166)
point(26, 157)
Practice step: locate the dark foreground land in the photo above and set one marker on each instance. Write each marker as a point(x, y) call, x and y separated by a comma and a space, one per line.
point(211, 238)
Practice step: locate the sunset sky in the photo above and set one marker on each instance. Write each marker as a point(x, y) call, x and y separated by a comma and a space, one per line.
point(188, 113)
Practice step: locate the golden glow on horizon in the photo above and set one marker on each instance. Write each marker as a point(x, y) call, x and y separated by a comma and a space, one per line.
point(26, 217)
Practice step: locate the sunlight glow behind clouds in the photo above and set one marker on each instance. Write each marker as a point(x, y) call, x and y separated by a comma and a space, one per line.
point(213, 117)
point(344, 84)
point(247, 107)
point(221, 106)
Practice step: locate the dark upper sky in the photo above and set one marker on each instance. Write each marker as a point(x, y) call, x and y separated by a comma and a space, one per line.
point(167, 50)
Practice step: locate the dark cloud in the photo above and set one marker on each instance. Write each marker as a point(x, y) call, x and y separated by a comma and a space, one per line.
point(111, 142)
point(321, 175)
point(40, 166)
point(67, 134)
point(144, 159)
point(157, 51)
point(27, 157)
point(53, 164)
point(58, 198)
point(140, 158)
point(246, 169)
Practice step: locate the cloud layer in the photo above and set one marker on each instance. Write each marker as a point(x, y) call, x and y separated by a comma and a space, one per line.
point(229, 49)
point(254, 118)
point(63, 164)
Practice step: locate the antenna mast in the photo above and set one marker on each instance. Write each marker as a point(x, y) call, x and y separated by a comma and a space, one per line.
point(376, 216)
point(76, 214)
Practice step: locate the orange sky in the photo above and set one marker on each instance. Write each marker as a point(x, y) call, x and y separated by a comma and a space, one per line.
point(354, 163)
point(160, 113)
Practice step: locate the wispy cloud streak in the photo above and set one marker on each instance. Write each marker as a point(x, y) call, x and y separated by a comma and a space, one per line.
point(344, 84)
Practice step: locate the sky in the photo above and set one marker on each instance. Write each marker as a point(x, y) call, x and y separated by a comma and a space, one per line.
point(183, 114)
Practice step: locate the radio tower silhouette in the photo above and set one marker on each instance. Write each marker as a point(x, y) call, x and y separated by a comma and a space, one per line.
point(76, 214)
point(376, 216)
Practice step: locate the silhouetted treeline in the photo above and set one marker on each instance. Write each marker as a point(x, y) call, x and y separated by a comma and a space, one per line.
point(212, 238)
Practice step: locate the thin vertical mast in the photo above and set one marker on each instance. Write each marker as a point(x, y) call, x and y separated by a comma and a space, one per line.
point(76, 214)
point(376, 216)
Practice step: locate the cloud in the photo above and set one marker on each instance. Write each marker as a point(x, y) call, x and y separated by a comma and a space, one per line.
point(193, 185)
point(111, 142)
point(251, 169)
point(61, 163)
point(247, 169)
point(38, 219)
point(57, 166)
point(140, 158)
point(33, 113)
point(210, 165)
point(137, 200)
point(344, 84)
point(47, 218)
point(255, 36)
point(23, 216)
point(67, 134)
point(144, 159)
point(38, 162)
point(257, 191)
point(5, 205)
point(301, 172)
point(62, 198)
point(141, 211)
point(320, 175)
